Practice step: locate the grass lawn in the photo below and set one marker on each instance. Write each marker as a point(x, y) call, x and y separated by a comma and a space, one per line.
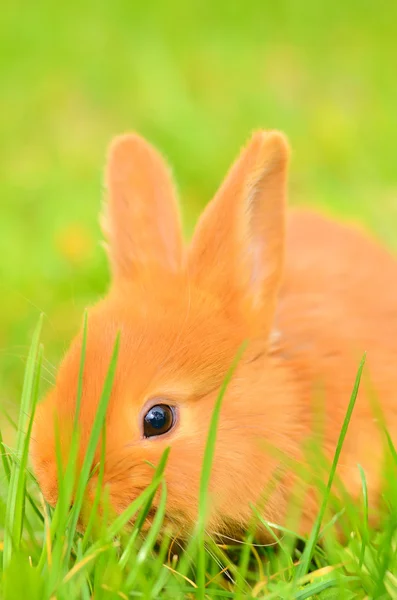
point(195, 78)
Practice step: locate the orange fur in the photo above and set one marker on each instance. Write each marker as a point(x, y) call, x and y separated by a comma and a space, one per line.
point(309, 294)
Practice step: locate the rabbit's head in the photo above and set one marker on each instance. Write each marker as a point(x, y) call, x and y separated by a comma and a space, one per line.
point(182, 315)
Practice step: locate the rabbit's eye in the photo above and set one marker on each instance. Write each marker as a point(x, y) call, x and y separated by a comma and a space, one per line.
point(158, 420)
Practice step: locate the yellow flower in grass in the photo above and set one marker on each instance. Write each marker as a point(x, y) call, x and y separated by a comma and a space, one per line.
point(74, 243)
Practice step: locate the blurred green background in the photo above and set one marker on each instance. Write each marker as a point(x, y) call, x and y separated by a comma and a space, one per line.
point(195, 78)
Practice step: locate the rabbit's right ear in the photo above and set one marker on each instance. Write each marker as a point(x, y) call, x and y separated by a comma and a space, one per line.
point(141, 219)
point(238, 248)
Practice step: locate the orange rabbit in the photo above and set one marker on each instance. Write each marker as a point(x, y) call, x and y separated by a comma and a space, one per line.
point(309, 295)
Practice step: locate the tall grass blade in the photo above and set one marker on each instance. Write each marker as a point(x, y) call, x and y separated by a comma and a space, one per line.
point(5, 459)
point(92, 444)
point(307, 555)
point(150, 539)
point(145, 496)
point(13, 516)
point(81, 370)
point(206, 474)
point(365, 516)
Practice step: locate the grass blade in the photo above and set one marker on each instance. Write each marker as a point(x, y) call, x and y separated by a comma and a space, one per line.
point(150, 538)
point(92, 444)
point(147, 494)
point(81, 370)
point(307, 555)
point(5, 459)
point(16, 490)
point(365, 501)
point(206, 474)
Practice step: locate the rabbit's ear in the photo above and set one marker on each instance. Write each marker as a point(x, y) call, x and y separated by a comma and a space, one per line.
point(238, 248)
point(141, 218)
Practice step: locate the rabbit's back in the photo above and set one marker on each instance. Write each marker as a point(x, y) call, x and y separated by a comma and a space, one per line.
point(338, 274)
point(338, 300)
point(341, 278)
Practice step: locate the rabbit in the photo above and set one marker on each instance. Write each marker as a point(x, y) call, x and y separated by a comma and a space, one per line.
point(306, 294)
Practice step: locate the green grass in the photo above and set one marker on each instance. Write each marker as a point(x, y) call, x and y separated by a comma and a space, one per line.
point(195, 78)
point(43, 552)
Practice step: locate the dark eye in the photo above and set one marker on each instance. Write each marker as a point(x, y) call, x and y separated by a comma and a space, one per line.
point(158, 420)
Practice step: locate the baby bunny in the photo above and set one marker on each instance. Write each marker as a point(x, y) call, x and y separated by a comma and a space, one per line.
point(308, 295)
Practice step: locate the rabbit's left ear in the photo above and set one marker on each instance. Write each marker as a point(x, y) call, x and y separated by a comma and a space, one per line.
point(141, 218)
point(238, 248)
